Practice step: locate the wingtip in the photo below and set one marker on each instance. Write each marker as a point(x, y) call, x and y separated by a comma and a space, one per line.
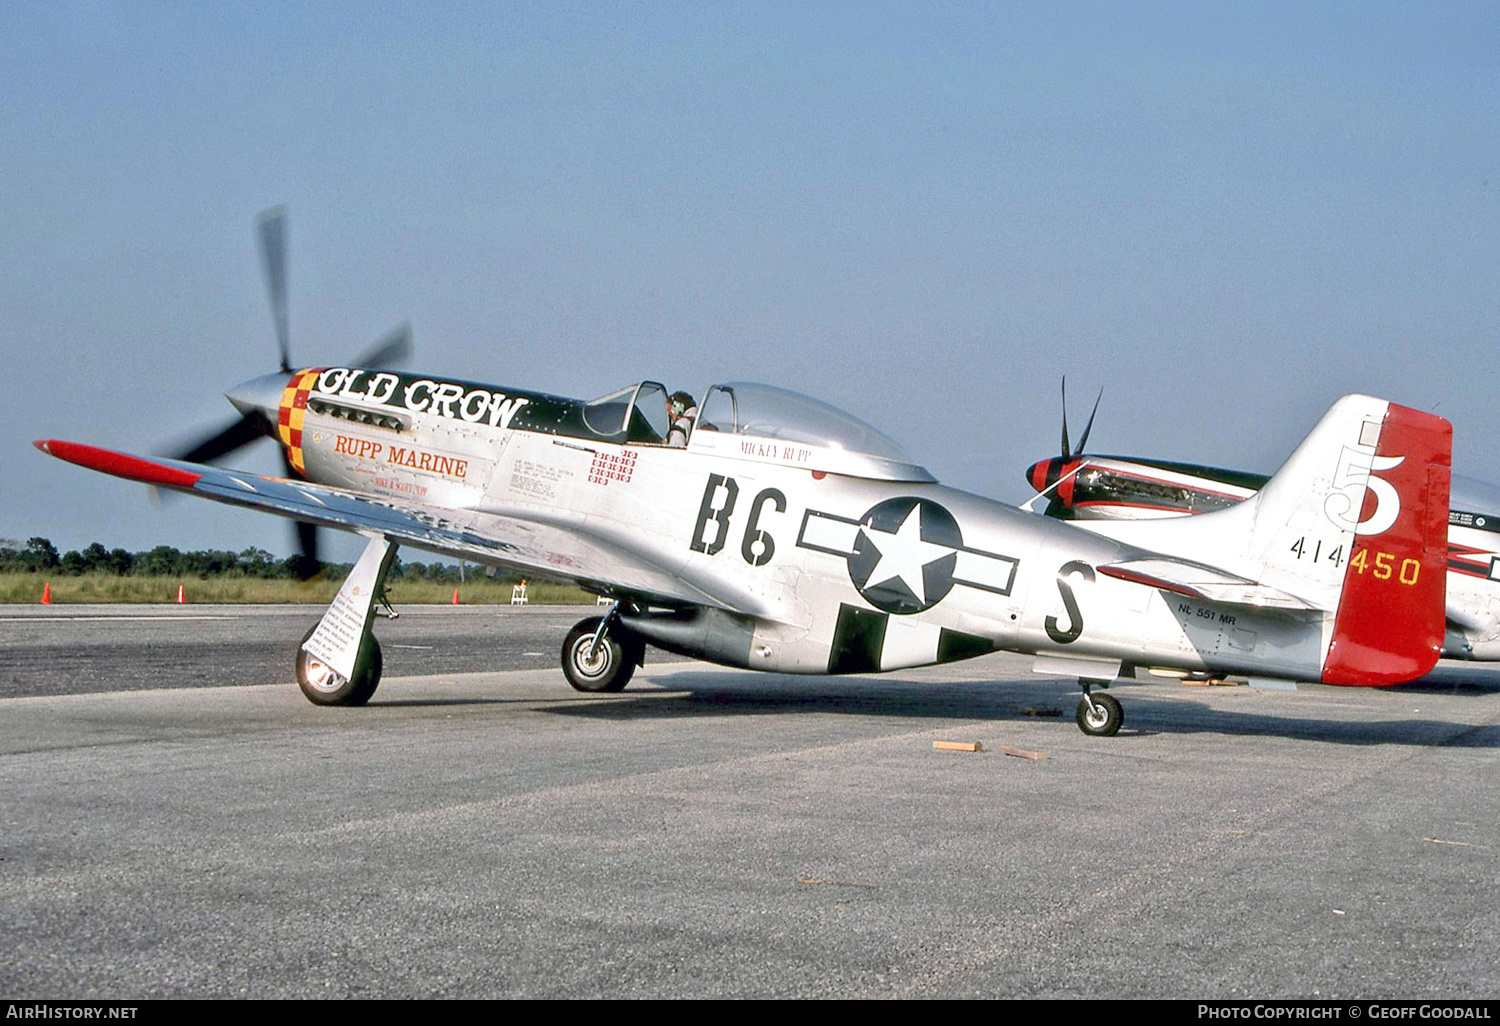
point(120, 464)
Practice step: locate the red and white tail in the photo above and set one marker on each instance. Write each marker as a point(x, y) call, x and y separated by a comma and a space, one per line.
point(1355, 523)
point(1390, 620)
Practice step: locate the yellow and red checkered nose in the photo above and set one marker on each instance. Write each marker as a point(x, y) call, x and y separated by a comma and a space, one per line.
point(291, 412)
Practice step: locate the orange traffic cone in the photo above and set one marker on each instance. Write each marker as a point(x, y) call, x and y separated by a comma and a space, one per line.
point(47, 594)
point(455, 596)
point(181, 598)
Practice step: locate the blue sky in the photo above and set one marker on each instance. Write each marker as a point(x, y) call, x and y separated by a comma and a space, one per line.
point(1225, 215)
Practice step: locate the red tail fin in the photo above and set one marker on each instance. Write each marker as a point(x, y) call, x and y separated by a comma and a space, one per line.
point(1389, 625)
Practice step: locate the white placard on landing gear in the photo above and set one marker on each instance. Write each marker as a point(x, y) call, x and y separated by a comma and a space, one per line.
point(335, 641)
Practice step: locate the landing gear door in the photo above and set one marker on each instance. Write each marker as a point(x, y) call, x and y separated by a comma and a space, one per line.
point(336, 640)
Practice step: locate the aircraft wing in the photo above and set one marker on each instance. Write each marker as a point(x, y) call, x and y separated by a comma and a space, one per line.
point(534, 542)
point(1195, 580)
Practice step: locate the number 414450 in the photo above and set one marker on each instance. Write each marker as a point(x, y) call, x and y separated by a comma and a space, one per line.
point(1381, 565)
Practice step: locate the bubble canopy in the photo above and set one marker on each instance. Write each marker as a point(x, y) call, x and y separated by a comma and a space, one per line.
point(750, 419)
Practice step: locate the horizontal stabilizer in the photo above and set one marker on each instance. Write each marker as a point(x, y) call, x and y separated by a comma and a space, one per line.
point(1203, 582)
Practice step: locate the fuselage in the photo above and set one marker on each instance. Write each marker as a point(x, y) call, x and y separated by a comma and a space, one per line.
point(786, 550)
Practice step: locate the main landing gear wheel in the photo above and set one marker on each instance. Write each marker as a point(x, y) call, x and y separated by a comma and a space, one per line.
point(1099, 715)
point(606, 666)
point(324, 686)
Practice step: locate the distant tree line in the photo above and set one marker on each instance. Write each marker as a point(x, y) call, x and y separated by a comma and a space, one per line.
point(39, 555)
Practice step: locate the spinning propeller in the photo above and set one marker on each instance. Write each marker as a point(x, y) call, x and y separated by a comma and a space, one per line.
point(258, 399)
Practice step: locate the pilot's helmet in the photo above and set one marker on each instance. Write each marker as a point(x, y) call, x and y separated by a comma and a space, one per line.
point(681, 403)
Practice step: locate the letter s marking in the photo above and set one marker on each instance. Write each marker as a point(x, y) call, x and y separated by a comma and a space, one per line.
point(1070, 603)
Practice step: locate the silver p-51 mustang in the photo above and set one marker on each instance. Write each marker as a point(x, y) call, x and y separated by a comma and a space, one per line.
point(789, 536)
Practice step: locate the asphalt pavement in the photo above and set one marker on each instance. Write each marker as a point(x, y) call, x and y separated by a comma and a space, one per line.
point(714, 833)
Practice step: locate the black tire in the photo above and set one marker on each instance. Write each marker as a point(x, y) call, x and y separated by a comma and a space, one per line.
point(611, 667)
point(323, 686)
point(1108, 719)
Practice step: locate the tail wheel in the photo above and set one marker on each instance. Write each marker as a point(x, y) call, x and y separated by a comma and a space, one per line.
point(323, 685)
point(1101, 719)
point(605, 667)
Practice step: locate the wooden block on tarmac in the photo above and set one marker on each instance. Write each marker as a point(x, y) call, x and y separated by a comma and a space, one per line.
point(1023, 753)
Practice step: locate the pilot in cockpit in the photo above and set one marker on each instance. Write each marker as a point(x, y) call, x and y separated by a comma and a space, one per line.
point(683, 412)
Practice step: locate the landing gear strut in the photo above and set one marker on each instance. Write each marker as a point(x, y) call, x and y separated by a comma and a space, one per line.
point(1098, 715)
point(339, 660)
point(599, 659)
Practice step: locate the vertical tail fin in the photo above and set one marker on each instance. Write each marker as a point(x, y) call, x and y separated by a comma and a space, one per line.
point(1354, 523)
point(1390, 621)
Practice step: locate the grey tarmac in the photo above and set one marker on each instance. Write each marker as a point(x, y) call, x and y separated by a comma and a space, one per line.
point(54, 650)
point(715, 833)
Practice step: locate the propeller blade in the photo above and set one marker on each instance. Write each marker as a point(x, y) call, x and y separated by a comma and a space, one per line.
point(239, 433)
point(305, 563)
point(1084, 441)
point(393, 348)
point(1066, 452)
point(271, 225)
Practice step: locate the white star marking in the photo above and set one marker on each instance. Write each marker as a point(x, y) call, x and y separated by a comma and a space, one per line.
point(903, 554)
